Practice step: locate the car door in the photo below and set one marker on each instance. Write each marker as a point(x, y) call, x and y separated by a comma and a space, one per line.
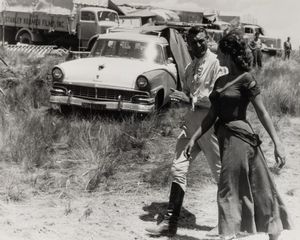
point(170, 77)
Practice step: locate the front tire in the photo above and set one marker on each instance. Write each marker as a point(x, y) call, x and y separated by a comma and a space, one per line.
point(65, 109)
point(159, 100)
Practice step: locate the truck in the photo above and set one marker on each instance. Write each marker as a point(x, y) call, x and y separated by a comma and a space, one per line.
point(271, 45)
point(64, 23)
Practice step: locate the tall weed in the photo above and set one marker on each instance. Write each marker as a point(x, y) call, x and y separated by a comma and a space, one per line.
point(30, 140)
point(280, 81)
point(26, 81)
point(94, 150)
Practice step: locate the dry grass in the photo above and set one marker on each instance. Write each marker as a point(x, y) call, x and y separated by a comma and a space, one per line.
point(281, 86)
point(13, 190)
point(66, 154)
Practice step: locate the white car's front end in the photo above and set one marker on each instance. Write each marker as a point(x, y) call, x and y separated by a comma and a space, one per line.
point(104, 83)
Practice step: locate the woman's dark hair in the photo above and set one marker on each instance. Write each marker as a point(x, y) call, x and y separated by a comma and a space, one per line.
point(234, 44)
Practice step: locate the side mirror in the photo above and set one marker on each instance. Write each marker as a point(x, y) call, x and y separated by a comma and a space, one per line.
point(170, 60)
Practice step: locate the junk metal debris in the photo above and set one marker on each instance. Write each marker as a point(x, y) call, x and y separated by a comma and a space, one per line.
point(35, 50)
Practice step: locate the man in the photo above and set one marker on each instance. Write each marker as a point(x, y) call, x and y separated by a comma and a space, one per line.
point(200, 76)
point(256, 46)
point(287, 48)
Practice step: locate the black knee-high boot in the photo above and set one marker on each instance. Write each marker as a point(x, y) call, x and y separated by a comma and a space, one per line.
point(169, 224)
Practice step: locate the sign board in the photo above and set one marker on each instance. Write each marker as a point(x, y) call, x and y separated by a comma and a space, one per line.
point(39, 21)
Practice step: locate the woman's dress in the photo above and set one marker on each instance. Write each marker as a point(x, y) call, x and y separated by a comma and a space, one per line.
point(247, 196)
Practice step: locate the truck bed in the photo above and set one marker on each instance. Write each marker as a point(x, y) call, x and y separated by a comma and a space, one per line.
point(36, 20)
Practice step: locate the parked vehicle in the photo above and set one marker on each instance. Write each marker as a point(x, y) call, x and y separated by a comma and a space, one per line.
point(271, 46)
point(125, 71)
point(61, 23)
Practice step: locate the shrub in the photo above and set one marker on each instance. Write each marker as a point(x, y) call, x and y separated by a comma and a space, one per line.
point(26, 81)
point(93, 150)
point(281, 86)
point(31, 139)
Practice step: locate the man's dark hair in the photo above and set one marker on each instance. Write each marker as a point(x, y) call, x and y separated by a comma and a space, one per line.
point(195, 30)
point(191, 34)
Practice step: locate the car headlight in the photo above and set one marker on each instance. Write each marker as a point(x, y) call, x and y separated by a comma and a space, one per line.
point(57, 74)
point(142, 83)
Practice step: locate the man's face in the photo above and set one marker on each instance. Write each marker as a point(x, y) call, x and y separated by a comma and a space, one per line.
point(198, 44)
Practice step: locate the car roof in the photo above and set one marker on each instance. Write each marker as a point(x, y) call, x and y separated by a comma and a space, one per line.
point(251, 25)
point(132, 36)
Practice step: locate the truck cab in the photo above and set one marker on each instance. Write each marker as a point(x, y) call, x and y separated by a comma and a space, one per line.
point(252, 29)
point(93, 21)
point(271, 45)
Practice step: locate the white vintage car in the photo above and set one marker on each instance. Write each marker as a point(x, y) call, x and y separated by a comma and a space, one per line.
point(124, 72)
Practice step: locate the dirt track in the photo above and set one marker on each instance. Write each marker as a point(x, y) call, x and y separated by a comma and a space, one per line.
point(125, 215)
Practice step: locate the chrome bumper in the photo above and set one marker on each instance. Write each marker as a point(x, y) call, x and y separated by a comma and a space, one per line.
point(102, 105)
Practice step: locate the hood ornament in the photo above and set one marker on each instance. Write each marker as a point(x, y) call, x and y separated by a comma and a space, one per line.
point(100, 67)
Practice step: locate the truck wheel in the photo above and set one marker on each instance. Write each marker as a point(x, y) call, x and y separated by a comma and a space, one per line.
point(25, 38)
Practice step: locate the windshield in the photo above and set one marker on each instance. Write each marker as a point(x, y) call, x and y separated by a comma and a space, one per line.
point(107, 16)
point(128, 49)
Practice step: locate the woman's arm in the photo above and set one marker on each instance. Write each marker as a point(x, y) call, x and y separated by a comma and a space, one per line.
point(266, 121)
point(206, 124)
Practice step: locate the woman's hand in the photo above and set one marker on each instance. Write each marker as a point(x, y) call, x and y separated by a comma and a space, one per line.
point(280, 157)
point(266, 121)
point(188, 148)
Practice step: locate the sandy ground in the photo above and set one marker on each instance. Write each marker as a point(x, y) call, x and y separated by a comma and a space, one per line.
point(125, 215)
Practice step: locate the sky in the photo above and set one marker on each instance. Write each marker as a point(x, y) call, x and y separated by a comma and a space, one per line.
point(279, 18)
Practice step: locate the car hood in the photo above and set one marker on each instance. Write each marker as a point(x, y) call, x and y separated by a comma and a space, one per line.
point(106, 71)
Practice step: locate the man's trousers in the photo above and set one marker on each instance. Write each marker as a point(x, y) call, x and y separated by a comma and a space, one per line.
point(208, 143)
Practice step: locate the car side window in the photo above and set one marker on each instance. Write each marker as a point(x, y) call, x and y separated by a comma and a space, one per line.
point(138, 50)
point(124, 49)
point(160, 56)
point(248, 30)
point(87, 16)
point(167, 51)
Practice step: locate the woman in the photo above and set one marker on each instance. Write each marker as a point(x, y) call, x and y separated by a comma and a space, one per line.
point(247, 197)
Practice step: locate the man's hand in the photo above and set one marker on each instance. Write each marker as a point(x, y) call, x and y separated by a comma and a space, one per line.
point(179, 96)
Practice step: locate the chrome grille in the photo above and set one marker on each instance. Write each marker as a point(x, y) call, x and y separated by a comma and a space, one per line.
point(100, 93)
